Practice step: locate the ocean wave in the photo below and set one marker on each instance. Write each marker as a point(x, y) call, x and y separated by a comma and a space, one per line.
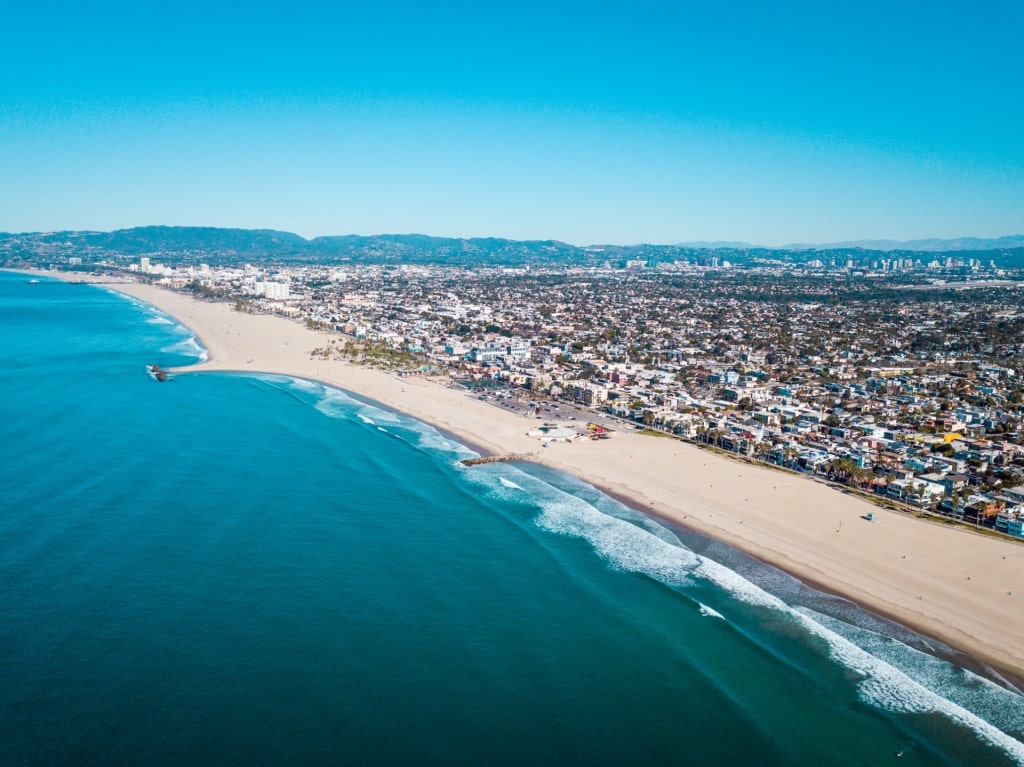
point(159, 320)
point(190, 347)
point(737, 586)
point(331, 402)
point(204, 355)
point(413, 432)
point(1002, 707)
point(377, 415)
point(623, 545)
point(431, 440)
point(709, 612)
point(124, 296)
point(618, 540)
point(892, 689)
point(892, 676)
point(303, 384)
point(337, 403)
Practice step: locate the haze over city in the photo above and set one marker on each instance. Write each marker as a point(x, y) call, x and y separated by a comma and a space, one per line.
point(587, 123)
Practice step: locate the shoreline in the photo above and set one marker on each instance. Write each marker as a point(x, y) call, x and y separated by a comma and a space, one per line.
point(959, 656)
point(950, 585)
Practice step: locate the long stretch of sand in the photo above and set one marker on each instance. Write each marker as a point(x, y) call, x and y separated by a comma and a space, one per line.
point(963, 588)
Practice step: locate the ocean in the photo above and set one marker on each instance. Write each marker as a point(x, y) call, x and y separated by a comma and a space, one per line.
point(238, 569)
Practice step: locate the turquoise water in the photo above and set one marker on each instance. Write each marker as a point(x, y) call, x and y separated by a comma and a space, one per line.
point(228, 569)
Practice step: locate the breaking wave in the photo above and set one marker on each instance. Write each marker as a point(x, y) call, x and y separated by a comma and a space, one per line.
point(709, 612)
point(891, 675)
point(189, 347)
point(337, 403)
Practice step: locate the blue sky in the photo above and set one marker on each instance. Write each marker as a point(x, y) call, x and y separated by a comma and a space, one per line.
point(585, 122)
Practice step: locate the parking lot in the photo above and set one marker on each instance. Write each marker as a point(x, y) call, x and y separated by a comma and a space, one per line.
point(545, 410)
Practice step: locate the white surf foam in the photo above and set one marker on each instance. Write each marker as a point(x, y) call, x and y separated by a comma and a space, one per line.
point(189, 346)
point(199, 348)
point(337, 403)
point(893, 677)
point(738, 586)
point(625, 546)
point(430, 439)
point(1002, 707)
point(331, 402)
point(891, 689)
point(709, 612)
point(304, 384)
point(609, 506)
point(158, 320)
point(621, 543)
point(883, 684)
point(378, 415)
point(124, 297)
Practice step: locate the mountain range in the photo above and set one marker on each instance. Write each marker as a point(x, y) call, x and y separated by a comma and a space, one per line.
point(927, 245)
point(223, 246)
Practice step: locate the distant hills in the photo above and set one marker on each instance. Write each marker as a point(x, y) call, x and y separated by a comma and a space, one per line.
point(717, 245)
point(150, 239)
point(931, 245)
point(175, 244)
point(189, 244)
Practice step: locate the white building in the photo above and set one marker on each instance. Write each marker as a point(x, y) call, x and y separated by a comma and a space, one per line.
point(275, 291)
point(586, 393)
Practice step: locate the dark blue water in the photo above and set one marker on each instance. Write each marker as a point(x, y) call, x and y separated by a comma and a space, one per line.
point(225, 569)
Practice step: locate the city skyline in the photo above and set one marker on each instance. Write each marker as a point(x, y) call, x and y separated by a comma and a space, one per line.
point(585, 124)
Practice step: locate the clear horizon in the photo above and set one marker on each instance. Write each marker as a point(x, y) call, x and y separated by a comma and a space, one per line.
point(584, 123)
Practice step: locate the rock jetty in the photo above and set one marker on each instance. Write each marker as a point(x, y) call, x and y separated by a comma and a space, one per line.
point(496, 459)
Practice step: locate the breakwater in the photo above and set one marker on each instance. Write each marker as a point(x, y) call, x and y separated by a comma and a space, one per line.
point(496, 459)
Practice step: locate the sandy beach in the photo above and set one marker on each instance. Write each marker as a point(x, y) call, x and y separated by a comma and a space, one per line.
point(952, 584)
